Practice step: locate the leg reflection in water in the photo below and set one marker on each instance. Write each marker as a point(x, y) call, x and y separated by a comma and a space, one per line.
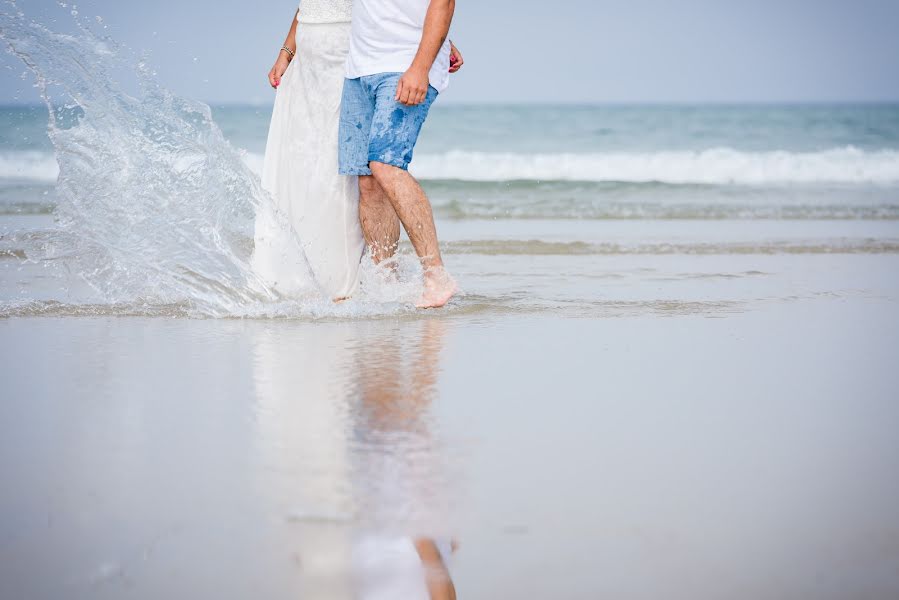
point(402, 549)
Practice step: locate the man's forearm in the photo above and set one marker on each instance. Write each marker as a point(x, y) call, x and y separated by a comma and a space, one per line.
point(436, 29)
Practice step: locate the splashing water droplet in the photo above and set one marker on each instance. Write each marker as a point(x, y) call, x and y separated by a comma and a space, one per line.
point(155, 208)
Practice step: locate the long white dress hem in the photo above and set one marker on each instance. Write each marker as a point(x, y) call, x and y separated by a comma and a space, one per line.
point(322, 245)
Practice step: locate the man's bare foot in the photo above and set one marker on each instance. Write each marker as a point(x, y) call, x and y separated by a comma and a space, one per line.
point(439, 288)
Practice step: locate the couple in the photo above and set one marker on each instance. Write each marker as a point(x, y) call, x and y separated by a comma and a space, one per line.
point(355, 82)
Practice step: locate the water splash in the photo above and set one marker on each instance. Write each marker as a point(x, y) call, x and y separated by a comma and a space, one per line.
point(154, 206)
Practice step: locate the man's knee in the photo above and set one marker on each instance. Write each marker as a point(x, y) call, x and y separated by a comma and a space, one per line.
point(369, 188)
point(382, 171)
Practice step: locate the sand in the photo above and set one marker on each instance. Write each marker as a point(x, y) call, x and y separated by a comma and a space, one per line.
point(642, 426)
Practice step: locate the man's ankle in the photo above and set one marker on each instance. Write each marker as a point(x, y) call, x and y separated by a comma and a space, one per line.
point(434, 270)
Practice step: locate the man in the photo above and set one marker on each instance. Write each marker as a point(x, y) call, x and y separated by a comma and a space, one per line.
point(399, 61)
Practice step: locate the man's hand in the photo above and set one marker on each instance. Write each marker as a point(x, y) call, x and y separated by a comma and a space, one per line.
point(456, 60)
point(412, 88)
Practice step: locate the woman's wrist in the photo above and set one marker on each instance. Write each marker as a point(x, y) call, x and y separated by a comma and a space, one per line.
point(288, 52)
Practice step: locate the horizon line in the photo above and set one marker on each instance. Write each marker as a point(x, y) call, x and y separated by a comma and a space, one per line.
point(571, 103)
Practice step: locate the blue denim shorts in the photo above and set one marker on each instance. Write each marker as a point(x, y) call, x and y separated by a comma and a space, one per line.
point(376, 128)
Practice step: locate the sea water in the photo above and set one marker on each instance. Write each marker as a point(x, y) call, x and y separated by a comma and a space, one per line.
point(797, 161)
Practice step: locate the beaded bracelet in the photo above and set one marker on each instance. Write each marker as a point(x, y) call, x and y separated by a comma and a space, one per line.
point(289, 51)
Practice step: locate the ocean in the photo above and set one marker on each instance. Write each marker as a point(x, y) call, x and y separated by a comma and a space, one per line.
point(510, 181)
point(593, 162)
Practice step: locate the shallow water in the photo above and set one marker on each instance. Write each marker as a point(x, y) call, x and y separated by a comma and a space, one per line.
point(744, 455)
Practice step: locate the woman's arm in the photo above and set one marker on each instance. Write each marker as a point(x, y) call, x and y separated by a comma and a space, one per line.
point(284, 57)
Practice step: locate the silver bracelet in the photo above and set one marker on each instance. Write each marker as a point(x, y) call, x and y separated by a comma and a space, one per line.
point(289, 51)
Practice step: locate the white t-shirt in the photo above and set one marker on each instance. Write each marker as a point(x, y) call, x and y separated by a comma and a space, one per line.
point(385, 38)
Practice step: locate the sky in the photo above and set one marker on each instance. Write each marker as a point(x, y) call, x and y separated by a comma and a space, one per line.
point(581, 51)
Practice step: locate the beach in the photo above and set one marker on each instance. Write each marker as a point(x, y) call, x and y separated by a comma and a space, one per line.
point(669, 371)
point(704, 432)
point(623, 408)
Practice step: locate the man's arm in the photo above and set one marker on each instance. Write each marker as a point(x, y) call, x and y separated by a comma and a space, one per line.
point(413, 85)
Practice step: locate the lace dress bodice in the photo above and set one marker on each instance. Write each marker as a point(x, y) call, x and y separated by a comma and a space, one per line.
point(325, 11)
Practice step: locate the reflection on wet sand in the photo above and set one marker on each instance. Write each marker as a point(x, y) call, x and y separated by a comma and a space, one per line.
point(400, 550)
point(346, 429)
point(301, 403)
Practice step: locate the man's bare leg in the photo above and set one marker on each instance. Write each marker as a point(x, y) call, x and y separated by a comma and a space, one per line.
point(380, 225)
point(414, 210)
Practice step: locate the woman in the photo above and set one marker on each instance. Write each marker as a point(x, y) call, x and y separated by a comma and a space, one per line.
point(300, 169)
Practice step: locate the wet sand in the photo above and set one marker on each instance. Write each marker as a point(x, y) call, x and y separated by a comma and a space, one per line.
point(680, 426)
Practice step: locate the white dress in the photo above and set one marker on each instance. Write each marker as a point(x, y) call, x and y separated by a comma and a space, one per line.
point(311, 238)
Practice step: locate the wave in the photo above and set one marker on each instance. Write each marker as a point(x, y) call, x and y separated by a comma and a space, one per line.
point(717, 167)
point(600, 210)
point(585, 209)
point(545, 199)
point(20, 209)
point(545, 248)
point(29, 165)
point(601, 201)
point(720, 166)
point(658, 201)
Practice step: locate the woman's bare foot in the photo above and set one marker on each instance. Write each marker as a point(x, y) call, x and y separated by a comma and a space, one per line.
point(341, 300)
point(439, 288)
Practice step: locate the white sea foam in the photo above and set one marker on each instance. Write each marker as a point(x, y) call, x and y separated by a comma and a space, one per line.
point(722, 166)
point(38, 167)
point(254, 162)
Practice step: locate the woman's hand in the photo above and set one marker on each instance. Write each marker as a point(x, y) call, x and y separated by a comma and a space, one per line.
point(277, 72)
point(456, 60)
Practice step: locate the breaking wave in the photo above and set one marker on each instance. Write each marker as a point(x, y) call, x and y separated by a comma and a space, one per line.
point(722, 166)
point(29, 165)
